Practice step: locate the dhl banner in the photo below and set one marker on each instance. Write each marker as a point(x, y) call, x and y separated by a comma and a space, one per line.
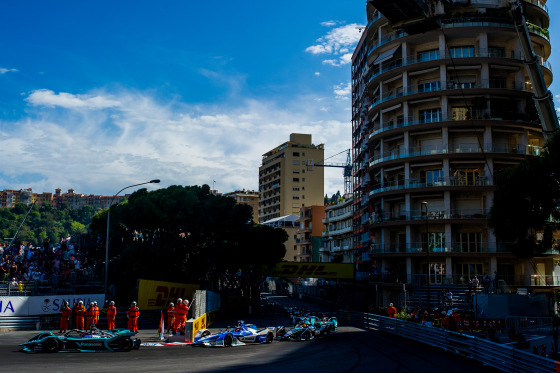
point(153, 295)
point(312, 270)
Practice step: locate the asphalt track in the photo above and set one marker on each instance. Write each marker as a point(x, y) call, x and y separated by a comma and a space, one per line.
point(349, 350)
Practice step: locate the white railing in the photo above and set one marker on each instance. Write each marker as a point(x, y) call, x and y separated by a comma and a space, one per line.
point(502, 357)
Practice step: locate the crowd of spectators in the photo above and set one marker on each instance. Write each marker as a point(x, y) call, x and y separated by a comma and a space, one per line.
point(24, 264)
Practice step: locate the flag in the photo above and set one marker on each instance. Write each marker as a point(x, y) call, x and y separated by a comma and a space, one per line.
point(161, 326)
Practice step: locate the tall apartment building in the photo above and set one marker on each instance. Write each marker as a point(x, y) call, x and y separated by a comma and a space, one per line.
point(436, 116)
point(247, 197)
point(337, 234)
point(286, 182)
point(310, 233)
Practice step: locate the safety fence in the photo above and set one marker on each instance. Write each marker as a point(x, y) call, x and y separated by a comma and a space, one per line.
point(18, 323)
point(493, 354)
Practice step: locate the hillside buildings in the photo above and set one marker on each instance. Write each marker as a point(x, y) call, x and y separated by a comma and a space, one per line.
point(436, 116)
point(287, 179)
point(8, 198)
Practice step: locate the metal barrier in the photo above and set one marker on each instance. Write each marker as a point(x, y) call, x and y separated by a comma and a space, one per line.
point(27, 323)
point(496, 355)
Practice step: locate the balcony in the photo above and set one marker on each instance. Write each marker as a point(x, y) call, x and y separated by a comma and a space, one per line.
point(440, 182)
point(379, 69)
point(457, 148)
point(420, 247)
point(471, 115)
point(451, 85)
point(419, 215)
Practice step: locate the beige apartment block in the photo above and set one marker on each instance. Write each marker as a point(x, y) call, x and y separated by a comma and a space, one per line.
point(247, 197)
point(287, 181)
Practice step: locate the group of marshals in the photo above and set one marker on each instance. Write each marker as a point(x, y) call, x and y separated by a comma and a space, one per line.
point(87, 318)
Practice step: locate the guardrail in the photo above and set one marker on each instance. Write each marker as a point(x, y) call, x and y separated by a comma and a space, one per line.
point(19, 322)
point(502, 357)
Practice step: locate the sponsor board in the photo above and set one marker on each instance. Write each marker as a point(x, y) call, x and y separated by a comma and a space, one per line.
point(312, 270)
point(11, 306)
point(192, 326)
point(155, 295)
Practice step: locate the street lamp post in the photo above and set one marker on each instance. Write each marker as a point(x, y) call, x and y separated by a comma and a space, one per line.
point(108, 220)
point(425, 205)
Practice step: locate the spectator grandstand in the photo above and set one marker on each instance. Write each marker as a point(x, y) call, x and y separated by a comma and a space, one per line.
point(65, 268)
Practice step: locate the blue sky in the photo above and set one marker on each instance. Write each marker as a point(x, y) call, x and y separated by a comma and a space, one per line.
point(97, 95)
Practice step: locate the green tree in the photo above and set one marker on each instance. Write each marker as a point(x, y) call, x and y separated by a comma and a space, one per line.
point(526, 211)
point(187, 234)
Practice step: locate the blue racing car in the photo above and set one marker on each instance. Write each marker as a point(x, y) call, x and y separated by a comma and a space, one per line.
point(82, 341)
point(233, 336)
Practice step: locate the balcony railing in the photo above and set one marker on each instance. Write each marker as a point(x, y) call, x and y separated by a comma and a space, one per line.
point(451, 85)
point(384, 67)
point(419, 215)
point(468, 115)
point(440, 182)
point(540, 3)
point(443, 149)
point(470, 22)
point(420, 247)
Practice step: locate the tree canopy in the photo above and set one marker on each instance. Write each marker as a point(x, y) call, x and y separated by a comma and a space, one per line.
point(526, 212)
point(44, 223)
point(188, 235)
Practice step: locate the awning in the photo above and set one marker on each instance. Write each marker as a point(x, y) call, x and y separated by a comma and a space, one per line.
point(386, 56)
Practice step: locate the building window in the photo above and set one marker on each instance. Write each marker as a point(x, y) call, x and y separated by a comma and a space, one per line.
point(295, 197)
point(430, 177)
point(295, 189)
point(303, 196)
point(436, 241)
point(427, 86)
point(295, 180)
point(464, 51)
point(430, 115)
point(295, 154)
point(466, 177)
point(303, 179)
point(295, 162)
point(432, 54)
point(496, 52)
point(468, 241)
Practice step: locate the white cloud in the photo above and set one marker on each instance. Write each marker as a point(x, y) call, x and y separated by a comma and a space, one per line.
point(343, 90)
point(131, 137)
point(317, 73)
point(330, 23)
point(69, 101)
point(338, 42)
point(4, 71)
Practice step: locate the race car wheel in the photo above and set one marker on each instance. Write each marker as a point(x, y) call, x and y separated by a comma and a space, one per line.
point(126, 345)
point(228, 340)
point(306, 335)
point(269, 338)
point(51, 345)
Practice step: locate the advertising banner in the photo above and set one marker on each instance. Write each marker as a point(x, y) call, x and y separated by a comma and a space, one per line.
point(313, 270)
point(12, 306)
point(154, 295)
